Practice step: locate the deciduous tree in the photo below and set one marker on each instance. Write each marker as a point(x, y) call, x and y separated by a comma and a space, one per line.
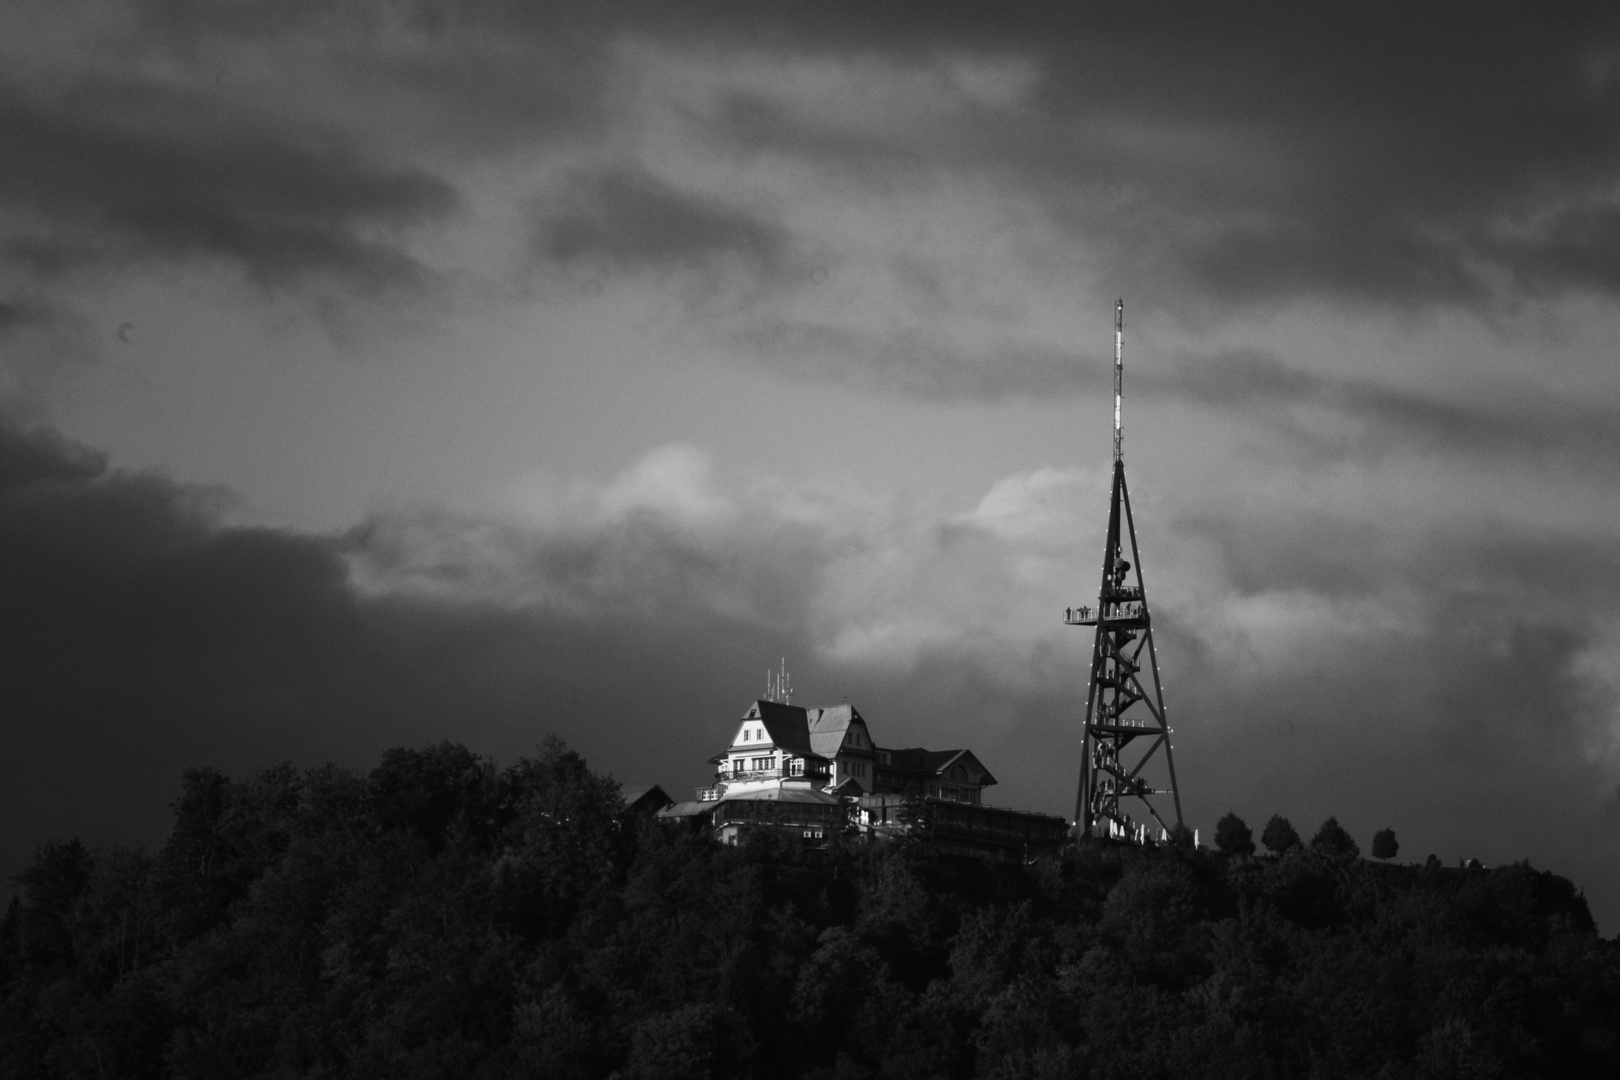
point(1232, 836)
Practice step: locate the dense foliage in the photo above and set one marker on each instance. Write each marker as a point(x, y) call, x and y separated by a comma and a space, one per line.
point(438, 919)
point(1233, 837)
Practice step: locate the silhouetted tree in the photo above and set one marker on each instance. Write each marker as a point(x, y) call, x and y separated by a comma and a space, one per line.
point(1385, 845)
point(1181, 836)
point(436, 794)
point(1279, 836)
point(1232, 835)
point(1331, 840)
point(52, 885)
point(435, 918)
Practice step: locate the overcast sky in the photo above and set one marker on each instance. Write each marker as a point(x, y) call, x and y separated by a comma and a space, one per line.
point(376, 373)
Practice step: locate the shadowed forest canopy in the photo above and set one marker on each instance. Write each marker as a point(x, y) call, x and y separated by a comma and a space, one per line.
point(439, 917)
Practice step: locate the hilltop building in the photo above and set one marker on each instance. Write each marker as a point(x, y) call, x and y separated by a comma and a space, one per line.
point(816, 771)
point(831, 750)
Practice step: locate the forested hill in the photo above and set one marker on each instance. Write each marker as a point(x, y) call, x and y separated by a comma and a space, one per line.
point(437, 918)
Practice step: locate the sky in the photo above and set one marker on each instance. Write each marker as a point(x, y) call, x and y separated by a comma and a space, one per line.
point(376, 373)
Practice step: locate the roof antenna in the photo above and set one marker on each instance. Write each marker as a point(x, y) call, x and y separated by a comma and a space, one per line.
point(779, 685)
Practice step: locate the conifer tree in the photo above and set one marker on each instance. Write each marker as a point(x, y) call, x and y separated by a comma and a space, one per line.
point(1279, 836)
point(1331, 840)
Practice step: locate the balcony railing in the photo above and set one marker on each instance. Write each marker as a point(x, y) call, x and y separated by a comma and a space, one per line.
point(726, 775)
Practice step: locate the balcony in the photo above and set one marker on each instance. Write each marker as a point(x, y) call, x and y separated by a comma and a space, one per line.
point(1128, 613)
point(726, 776)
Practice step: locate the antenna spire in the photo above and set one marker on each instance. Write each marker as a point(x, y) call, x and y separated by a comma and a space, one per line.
point(1119, 377)
point(779, 685)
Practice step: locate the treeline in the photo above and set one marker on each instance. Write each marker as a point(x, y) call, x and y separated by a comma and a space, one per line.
point(437, 918)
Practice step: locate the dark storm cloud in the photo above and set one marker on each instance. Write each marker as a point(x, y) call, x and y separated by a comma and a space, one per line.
point(1252, 153)
point(144, 636)
point(111, 173)
point(627, 219)
point(1247, 152)
point(468, 78)
point(1459, 686)
point(20, 314)
point(1523, 421)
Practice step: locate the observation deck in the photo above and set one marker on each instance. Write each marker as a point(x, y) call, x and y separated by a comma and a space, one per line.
point(1124, 608)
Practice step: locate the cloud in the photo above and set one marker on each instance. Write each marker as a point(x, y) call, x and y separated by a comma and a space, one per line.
point(1370, 419)
point(1369, 153)
point(1445, 675)
point(625, 219)
point(900, 200)
point(908, 199)
point(1250, 155)
point(113, 173)
point(1399, 675)
point(145, 636)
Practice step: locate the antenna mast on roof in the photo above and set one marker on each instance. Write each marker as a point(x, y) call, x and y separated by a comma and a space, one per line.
point(779, 685)
point(1121, 741)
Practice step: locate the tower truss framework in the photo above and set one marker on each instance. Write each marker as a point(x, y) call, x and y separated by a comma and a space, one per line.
point(1126, 753)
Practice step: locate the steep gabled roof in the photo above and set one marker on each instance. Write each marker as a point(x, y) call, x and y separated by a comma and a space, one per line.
point(787, 726)
point(936, 762)
point(829, 726)
point(645, 797)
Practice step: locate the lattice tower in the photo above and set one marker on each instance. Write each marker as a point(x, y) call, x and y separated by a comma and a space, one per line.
point(1126, 726)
